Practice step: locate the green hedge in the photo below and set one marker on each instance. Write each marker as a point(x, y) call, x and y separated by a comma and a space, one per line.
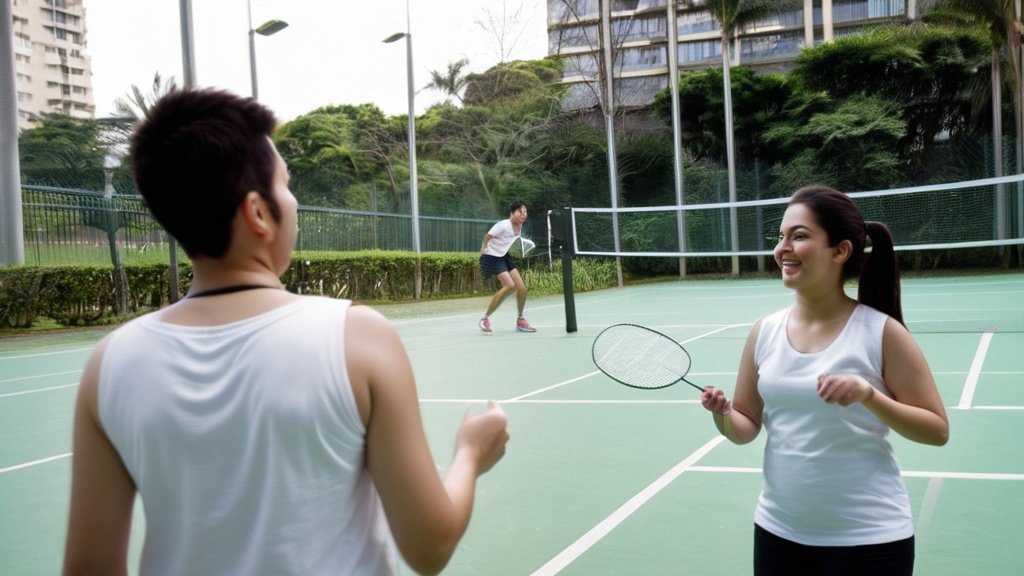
point(84, 295)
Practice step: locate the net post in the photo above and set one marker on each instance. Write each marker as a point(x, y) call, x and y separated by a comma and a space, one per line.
point(561, 234)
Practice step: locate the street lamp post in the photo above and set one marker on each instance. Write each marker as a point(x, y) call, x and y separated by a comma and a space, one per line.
point(111, 163)
point(266, 29)
point(413, 192)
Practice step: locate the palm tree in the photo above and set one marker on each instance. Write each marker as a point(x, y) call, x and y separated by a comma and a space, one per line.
point(731, 15)
point(452, 82)
point(136, 104)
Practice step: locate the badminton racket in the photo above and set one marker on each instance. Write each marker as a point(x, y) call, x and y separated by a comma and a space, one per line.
point(525, 245)
point(640, 357)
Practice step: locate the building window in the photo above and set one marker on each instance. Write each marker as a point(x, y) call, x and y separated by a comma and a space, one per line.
point(574, 37)
point(571, 10)
point(787, 19)
point(771, 46)
point(583, 65)
point(633, 59)
point(638, 91)
point(699, 51)
point(696, 23)
point(629, 29)
point(852, 10)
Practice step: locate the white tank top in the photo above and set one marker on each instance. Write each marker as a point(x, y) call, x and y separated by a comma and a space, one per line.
point(830, 475)
point(245, 444)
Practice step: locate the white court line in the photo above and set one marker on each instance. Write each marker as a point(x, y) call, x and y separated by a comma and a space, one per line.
point(963, 475)
point(473, 315)
point(37, 390)
point(905, 473)
point(34, 463)
point(928, 505)
point(553, 386)
point(37, 376)
point(484, 400)
point(992, 372)
point(577, 548)
point(623, 401)
point(697, 401)
point(972, 375)
point(68, 351)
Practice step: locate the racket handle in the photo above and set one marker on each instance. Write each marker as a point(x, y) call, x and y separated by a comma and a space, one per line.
point(692, 384)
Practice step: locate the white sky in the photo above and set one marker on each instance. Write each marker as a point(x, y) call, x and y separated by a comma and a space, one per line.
point(331, 53)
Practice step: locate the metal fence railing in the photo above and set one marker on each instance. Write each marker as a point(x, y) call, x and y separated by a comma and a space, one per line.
point(69, 226)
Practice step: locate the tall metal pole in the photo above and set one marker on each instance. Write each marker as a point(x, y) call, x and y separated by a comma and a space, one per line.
point(677, 131)
point(252, 53)
point(12, 234)
point(609, 122)
point(413, 177)
point(1020, 126)
point(189, 74)
point(268, 28)
point(411, 97)
point(414, 199)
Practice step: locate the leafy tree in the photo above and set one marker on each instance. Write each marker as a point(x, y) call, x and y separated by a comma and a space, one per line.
point(854, 147)
point(646, 168)
point(62, 151)
point(382, 142)
point(500, 82)
point(323, 156)
point(1002, 20)
point(928, 71)
point(495, 138)
point(732, 15)
point(759, 100)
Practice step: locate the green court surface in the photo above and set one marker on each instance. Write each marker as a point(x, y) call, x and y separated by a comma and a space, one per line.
point(599, 478)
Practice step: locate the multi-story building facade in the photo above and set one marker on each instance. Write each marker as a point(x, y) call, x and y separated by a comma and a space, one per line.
point(639, 36)
point(53, 73)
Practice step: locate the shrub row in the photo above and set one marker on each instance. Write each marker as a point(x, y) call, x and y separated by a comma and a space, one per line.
point(84, 295)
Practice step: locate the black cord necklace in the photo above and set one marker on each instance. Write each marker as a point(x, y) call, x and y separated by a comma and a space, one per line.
point(228, 290)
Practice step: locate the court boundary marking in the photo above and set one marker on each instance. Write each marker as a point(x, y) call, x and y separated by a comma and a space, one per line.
point(598, 532)
point(974, 373)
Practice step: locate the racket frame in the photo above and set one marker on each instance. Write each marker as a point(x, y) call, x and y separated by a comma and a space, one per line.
point(593, 356)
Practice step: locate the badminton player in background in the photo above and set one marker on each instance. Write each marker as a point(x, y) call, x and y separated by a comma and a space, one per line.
point(496, 261)
point(266, 432)
point(828, 378)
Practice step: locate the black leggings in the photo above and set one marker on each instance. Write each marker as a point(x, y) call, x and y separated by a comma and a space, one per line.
point(774, 556)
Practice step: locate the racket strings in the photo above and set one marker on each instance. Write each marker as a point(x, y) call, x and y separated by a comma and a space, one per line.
point(641, 358)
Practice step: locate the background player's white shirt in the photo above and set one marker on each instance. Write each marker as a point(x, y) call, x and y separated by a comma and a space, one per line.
point(502, 238)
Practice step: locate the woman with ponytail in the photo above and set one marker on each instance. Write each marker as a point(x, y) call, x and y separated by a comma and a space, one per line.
point(828, 377)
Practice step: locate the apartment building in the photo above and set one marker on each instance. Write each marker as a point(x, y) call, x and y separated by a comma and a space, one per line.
point(53, 73)
point(639, 35)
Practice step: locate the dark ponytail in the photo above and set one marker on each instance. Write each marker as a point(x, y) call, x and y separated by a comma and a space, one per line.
point(879, 285)
point(878, 271)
